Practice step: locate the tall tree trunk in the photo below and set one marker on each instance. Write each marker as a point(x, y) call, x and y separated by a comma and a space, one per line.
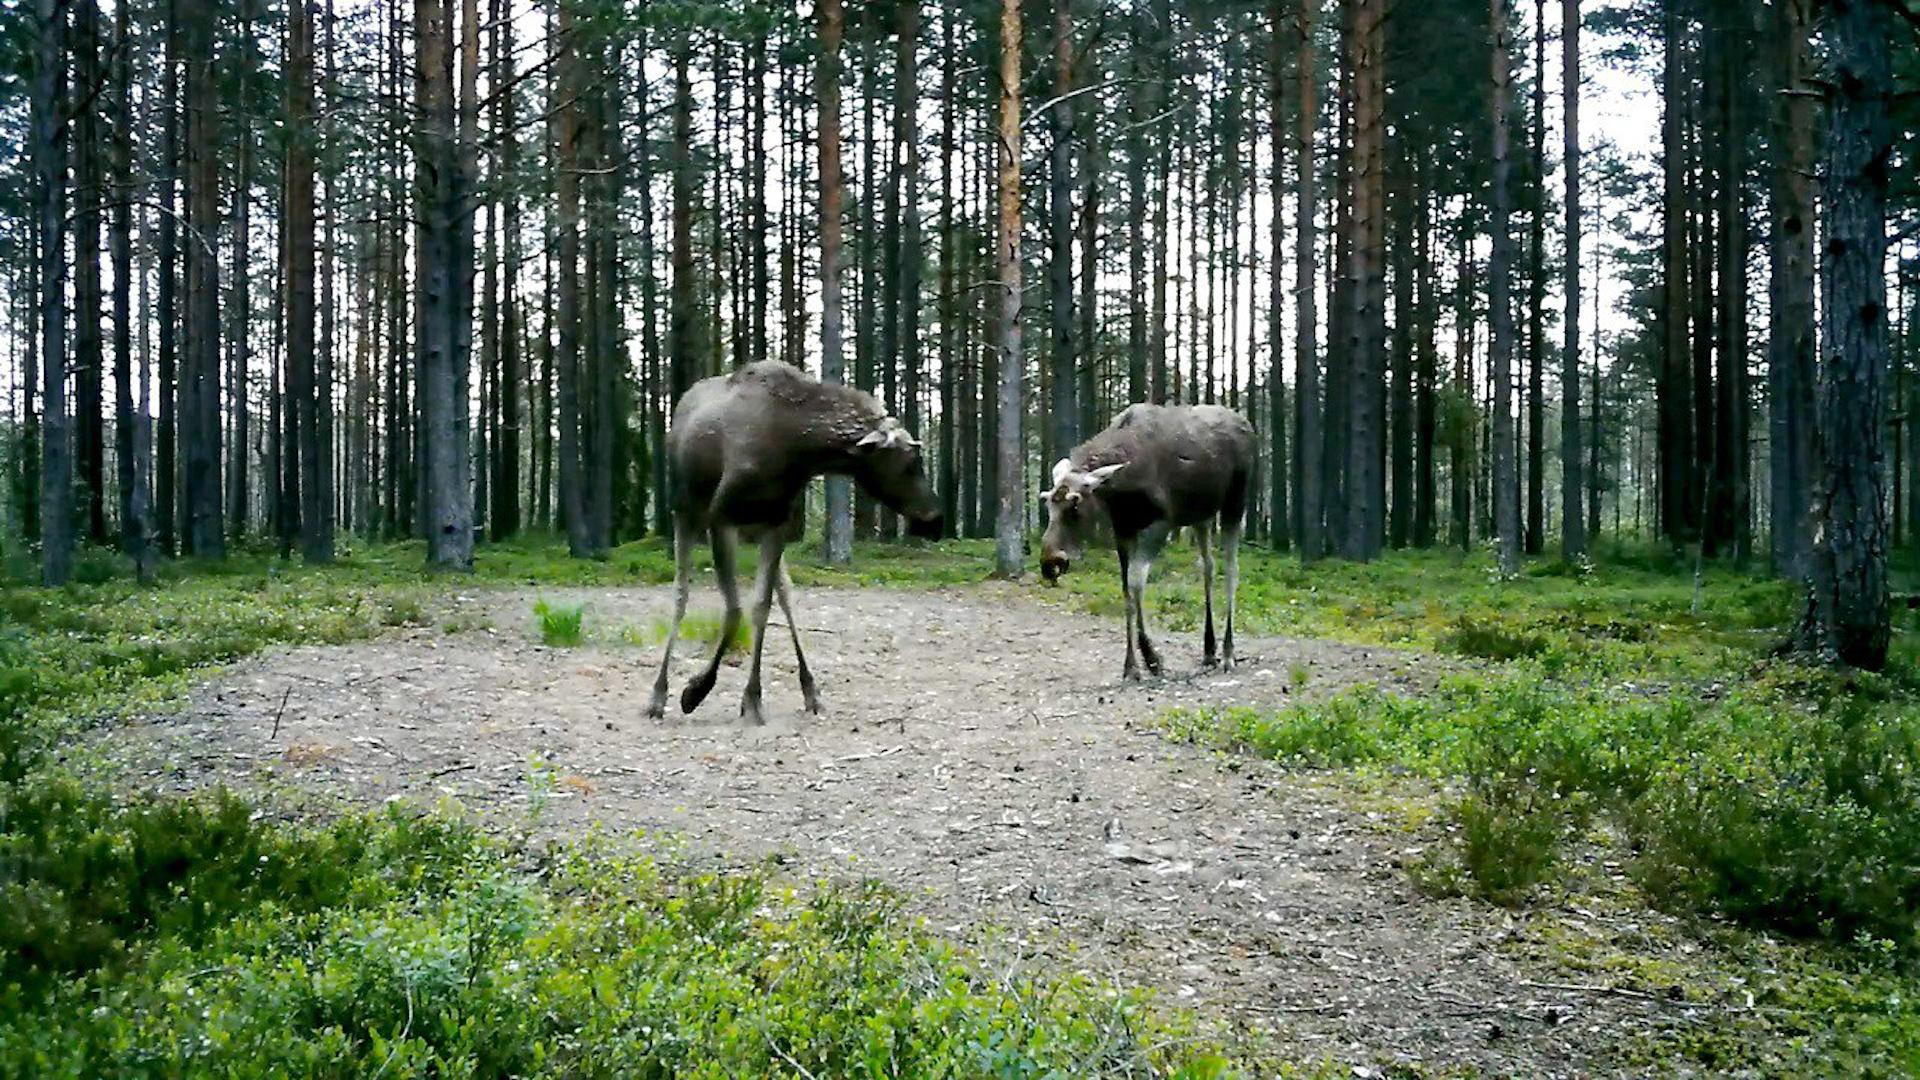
point(950, 381)
point(1087, 392)
point(838, 549)
point(1284, 525)
point(505, 513)
point(1426, 363)
point(90, 197)
point(444, 320)
point(1536, 528)
point(569, 86)
point(1673, 391)
point(1848, 616)
point(166, 460)
point(1366, 352)
point(1010, 519)
point(240, 303)
point(317, 542)
point(1573, 533)
point(303, 410)
point(1308, 443)
point(605, 345)
point(1400, 531)
point(200, 392)
point(1506, 510)
point(133, 536)
point(1063, 411)
point(50, 174)
point(757, 281)
point(904, 359)
point(1730, 448)
point(1136, 148)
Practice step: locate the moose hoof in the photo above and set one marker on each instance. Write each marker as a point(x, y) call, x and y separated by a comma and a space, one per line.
point(1130, 674)
point(750, 713)
point(1211, 663)
point(695, 693)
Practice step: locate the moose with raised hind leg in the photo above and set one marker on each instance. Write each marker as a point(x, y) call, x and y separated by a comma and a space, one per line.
point(741, 451)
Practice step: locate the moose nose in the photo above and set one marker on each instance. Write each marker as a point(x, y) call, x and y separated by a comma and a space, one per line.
point(1052, 565)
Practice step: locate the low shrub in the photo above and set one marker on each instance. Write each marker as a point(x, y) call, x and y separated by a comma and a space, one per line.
point(412, 946)
point(1792, 804)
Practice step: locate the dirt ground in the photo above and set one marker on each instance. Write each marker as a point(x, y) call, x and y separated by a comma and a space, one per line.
point(980, 753)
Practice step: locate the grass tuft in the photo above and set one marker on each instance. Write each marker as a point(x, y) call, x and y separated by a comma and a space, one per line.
point(561, 627)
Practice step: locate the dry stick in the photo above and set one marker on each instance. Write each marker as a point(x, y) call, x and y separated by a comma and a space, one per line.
point(280, 712)
point(1597, 989)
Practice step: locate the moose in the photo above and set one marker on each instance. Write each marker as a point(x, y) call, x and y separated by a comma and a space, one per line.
point(1155, 469)
point(741, 451)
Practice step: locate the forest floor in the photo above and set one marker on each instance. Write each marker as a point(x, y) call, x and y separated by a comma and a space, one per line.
point(979, 754)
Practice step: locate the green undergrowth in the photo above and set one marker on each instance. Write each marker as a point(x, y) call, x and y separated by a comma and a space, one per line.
point(1776, 809)
point(1791, 802)
point(193, 937)
point(205, 936)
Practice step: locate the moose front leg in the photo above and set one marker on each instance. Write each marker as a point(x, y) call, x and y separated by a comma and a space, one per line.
point(1146, 549)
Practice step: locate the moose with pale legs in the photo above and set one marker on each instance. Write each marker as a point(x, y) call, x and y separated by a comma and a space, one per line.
point(1155, 469)
point(742, 449)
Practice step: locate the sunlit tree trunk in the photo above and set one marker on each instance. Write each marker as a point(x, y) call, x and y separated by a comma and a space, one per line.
point(1010, 519)
point(839, 525)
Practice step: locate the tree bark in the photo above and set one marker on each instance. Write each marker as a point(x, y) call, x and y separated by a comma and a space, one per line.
point(89, 186)
point(305, 448)
point(1573, 533)
point(568, 89)
point(1848, 615)
point(1063, 410)
point(131, 508)
point(200, 377)
point(1010, 519)
point(1283, 526)
point(444, 325)
point(166, 459)
point(1506, 513)
point(1791, 368)
point(1536, 528)
point(1364, 486)
point(838, 542)
point(50, 196)
point(1307, 465)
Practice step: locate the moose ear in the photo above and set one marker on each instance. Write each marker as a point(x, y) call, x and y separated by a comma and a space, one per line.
point(1102, 474)
point(887, 435)
point(1060, 470)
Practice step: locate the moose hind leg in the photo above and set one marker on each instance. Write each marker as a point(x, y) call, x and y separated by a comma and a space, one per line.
point(784, 586)
point(702, 684)
point(771, 548)
point(1131, 671)
point(682, 585)
point(1203, 536)
point(1230, 550)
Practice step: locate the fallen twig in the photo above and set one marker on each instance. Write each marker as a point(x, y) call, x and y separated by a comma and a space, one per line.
point(1583, 988)
point(451, 769)
point(280, 712)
